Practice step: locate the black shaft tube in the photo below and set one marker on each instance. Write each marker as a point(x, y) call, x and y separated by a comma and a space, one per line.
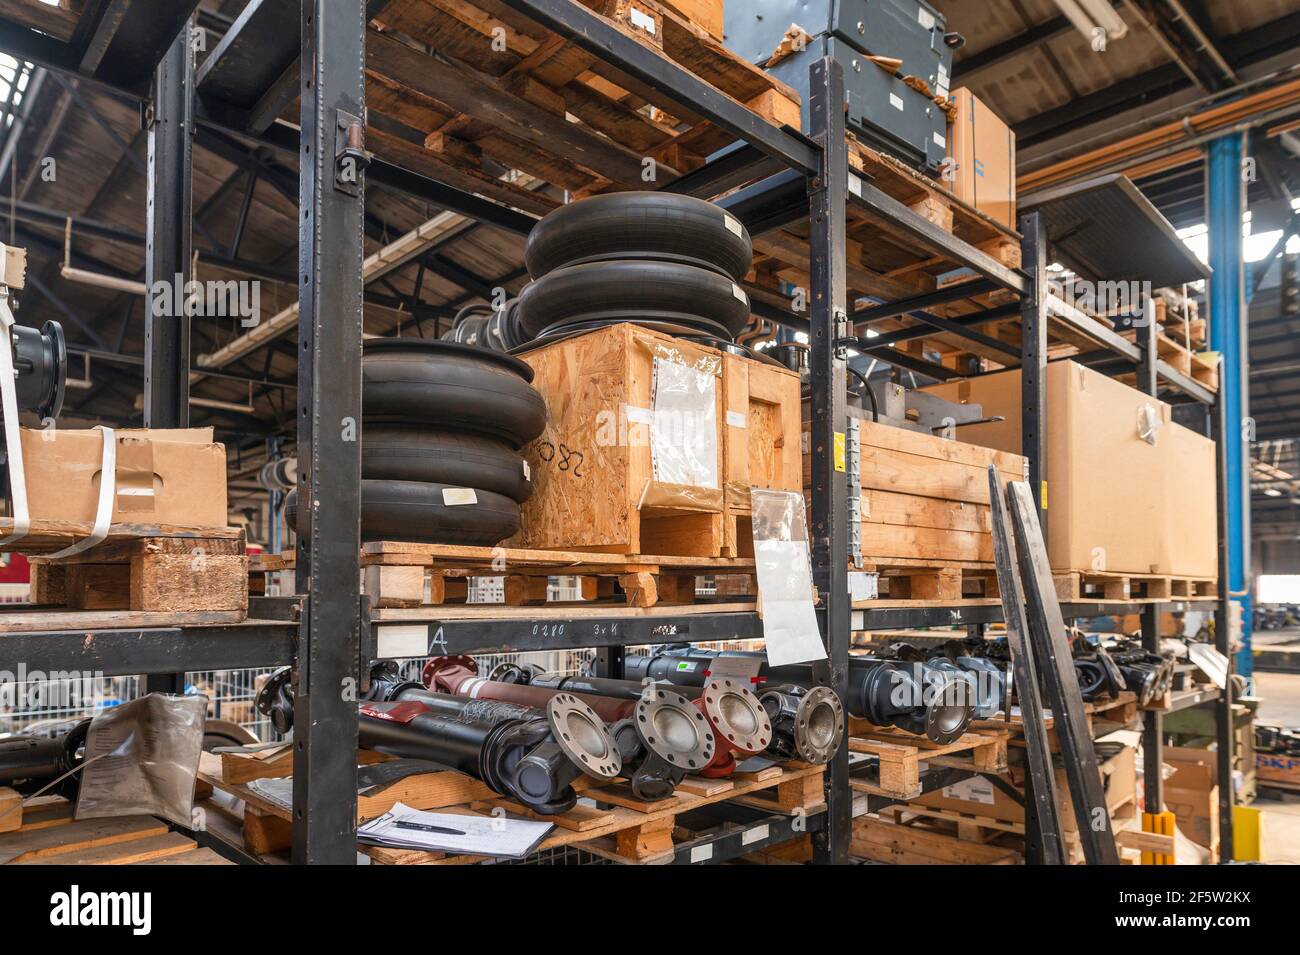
point(455, 742)
point(30, 758)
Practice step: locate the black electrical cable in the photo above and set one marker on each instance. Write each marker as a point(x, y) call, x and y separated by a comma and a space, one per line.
point(866, 387)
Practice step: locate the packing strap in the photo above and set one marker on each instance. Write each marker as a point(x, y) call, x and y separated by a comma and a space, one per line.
point(107, 495)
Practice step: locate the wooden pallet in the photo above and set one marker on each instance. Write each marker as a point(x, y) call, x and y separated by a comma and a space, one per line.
point(1076, 585)
point(413, 575)
point(507, 92)
point(1107, 713)
point(959, 835)
point(48, 835)
point(609, 821)
point(932, 580)
point(886, 262)
point(894, 843)
point(900, 754)
point(139, 567)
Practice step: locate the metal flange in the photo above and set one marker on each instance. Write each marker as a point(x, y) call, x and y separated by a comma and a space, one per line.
point(583, 737)
point(736, 716)
point(673, 728)
point(818, 725)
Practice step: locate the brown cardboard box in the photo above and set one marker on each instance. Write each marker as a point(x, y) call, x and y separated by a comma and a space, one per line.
point(1115, 502)
point(984, 149)
point(1192, 794)
point(175, 477)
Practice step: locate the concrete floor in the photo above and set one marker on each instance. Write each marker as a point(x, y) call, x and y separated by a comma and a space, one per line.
point(1279, 695)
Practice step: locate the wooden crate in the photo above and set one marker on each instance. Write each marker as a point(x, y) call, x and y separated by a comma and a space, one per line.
point(926, 527)
point(145, 569)
point(593, 469)
point(760, 444)
point(608, 821)
point(50, 836)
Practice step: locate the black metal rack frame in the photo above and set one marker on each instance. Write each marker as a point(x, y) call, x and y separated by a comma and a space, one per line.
point(326, 633)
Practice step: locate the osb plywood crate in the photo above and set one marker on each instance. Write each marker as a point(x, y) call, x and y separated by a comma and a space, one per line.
point(1129, 492)
point(640, 457)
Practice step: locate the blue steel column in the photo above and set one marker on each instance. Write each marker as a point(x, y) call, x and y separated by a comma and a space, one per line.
point(1225, 199)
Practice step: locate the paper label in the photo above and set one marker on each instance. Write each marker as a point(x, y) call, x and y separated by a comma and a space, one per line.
point(642, 20)
point(528, 472)
point(976, 789)
point(940, 140)
point(739, 292)
point(925, 18)
point(732, 224)
point(401, 640)
point(452, 496)
point(737, 419)
point(896, 101)
point(756, 834)
point(701, 853)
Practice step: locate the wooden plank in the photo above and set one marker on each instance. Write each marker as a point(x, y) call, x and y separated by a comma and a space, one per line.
point(11, 810)
point(133, 852)
point(27, 845)
point(26, 622)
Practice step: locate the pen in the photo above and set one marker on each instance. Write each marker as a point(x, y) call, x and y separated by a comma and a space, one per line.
point(425, 827)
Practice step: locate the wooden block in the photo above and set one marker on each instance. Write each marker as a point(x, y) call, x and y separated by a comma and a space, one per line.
point(11, 810)
point(777, 108)
point(521, 589)
point(650, 839)
point(642, 589)
point(179, 583)
point(15, 267)
point(49, 585)
point(677, 588)
point(101, 587)
point(265, 833)
point(397, 586)
point(945, 585)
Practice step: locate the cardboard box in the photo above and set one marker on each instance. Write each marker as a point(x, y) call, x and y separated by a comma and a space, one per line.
point(1115, 503)
point(1192, 794)
point(984, 150)
point(175, 477)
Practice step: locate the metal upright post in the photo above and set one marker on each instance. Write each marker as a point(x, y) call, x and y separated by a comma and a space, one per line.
point(1223, 430)
point(1146, 338)
point(330, 250)
point(1033, 358)
point(1225, 197)
point(827, 361)
point(169, 214)
point(1153, 722)
point(1225, 191)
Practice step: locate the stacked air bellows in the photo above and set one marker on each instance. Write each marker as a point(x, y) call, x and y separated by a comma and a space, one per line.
point(669, 262)
point(442, 426)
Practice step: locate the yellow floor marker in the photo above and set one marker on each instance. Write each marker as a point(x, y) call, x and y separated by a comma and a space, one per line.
point(1161, 823)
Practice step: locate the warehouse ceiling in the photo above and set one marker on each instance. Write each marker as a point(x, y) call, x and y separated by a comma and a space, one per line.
point(1064, 98)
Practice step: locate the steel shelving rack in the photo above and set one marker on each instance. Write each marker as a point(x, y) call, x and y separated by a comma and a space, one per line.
point(326, 632)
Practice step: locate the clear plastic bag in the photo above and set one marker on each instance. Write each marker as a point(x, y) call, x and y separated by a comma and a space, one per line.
point(785, 589)
point(684, 429)
point(142, 758)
